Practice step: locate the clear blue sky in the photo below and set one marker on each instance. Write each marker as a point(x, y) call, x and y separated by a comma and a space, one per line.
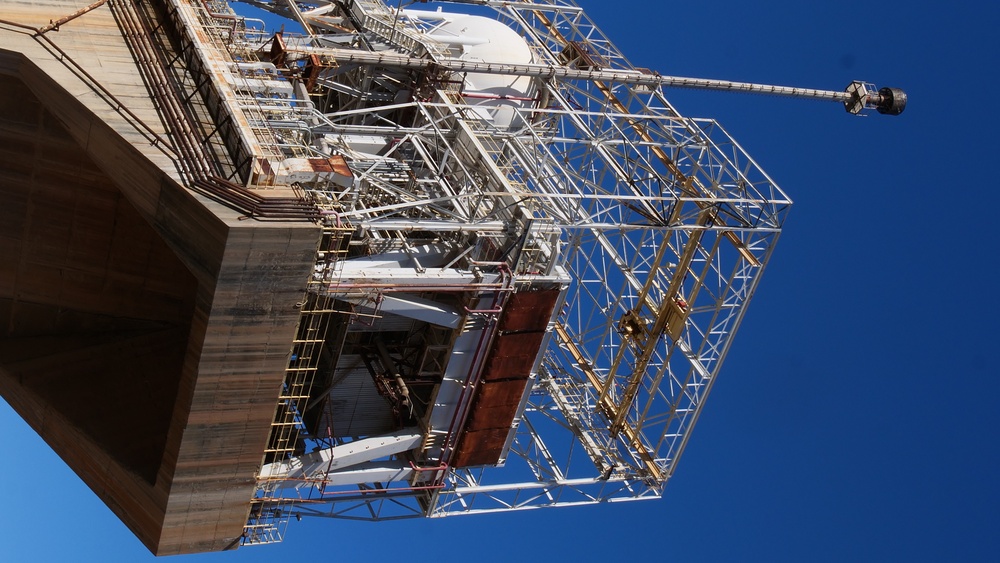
point(856, 416)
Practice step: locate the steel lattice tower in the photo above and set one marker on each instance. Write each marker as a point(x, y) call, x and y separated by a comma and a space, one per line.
point(528, 267)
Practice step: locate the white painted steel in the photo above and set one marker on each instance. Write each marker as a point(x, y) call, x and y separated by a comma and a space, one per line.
point(578, 175)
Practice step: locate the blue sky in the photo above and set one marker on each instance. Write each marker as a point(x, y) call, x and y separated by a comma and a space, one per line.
point(855, 417)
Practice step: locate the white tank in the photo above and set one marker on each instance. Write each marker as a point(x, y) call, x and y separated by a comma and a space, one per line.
point(481, 39)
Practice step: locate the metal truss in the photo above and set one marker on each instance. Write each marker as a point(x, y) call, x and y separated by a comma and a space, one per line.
point(657, 226)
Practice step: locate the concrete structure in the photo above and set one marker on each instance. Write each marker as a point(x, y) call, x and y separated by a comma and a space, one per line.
point(144, 327)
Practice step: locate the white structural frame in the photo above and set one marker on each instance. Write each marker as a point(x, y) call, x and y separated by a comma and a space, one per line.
point(655, 227)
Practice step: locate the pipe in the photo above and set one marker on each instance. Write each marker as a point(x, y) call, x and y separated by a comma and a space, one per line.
point(622, 76)
point(383, 490)
point(55, 24)
point(334, 288)
point(483, 311)
point(150, 60)
point(221, 16)
point(498, 97)
point(440, 467)
point(145, 130)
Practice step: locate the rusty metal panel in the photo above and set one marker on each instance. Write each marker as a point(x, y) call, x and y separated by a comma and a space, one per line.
point(335, 163)
point(528, 311)
point(512, 356)
point(485, 430)
point(491, 416)
point(480, 447)
point(504, 378)
point(497, 393)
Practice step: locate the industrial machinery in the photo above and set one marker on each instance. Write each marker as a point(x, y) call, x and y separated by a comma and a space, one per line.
point(529, 267)
point(533, 269)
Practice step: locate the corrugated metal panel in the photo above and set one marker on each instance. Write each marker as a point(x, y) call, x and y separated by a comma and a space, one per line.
point(478, 447)
point(354, 407)
point(496, 404)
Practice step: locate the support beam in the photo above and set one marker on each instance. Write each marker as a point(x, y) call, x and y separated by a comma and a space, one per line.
point(417, 308)
point(315, 466)
point(607, 407)
point(370, 472)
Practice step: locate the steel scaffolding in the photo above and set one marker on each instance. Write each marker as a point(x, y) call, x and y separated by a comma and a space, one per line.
point(648, 230)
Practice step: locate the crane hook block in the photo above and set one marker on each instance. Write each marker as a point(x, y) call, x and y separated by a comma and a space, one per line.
point(862, 96)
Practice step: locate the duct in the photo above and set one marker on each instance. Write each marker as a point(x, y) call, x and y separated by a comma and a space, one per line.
point(369, 144)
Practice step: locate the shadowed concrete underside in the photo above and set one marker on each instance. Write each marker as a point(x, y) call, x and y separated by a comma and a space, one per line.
point(144, 330)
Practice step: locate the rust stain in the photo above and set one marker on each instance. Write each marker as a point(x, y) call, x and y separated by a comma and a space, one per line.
point(319, 165)
point(339, 165)
point(504, 378)
point(479, 448)
point(528, 311)
point(512, 356)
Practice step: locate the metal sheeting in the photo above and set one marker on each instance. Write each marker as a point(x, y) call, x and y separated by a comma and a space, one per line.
point(529, 311)
point(505, 377)
point(512, 356)
point(354, 406)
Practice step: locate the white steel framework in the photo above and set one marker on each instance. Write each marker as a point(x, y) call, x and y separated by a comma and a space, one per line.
point(441, 199)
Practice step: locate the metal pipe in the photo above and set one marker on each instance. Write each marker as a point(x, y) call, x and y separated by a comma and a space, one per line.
point(334, 288)
point(382, 490)
point(55, 24)
point(151, 63)
point(221, 16)
point(34, 30)
point(494, 311)
point(418, 469)
point(477, 95)
point(874, 99)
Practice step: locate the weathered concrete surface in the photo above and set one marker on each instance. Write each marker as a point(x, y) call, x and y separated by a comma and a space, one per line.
point(144, 329)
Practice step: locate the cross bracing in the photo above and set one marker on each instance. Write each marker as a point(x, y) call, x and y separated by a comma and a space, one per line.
point(449, 184)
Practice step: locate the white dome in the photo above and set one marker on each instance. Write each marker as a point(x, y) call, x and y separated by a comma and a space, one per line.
point(482, 39)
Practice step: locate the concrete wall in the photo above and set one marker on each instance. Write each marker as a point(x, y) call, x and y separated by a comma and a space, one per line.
point(144, 329)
